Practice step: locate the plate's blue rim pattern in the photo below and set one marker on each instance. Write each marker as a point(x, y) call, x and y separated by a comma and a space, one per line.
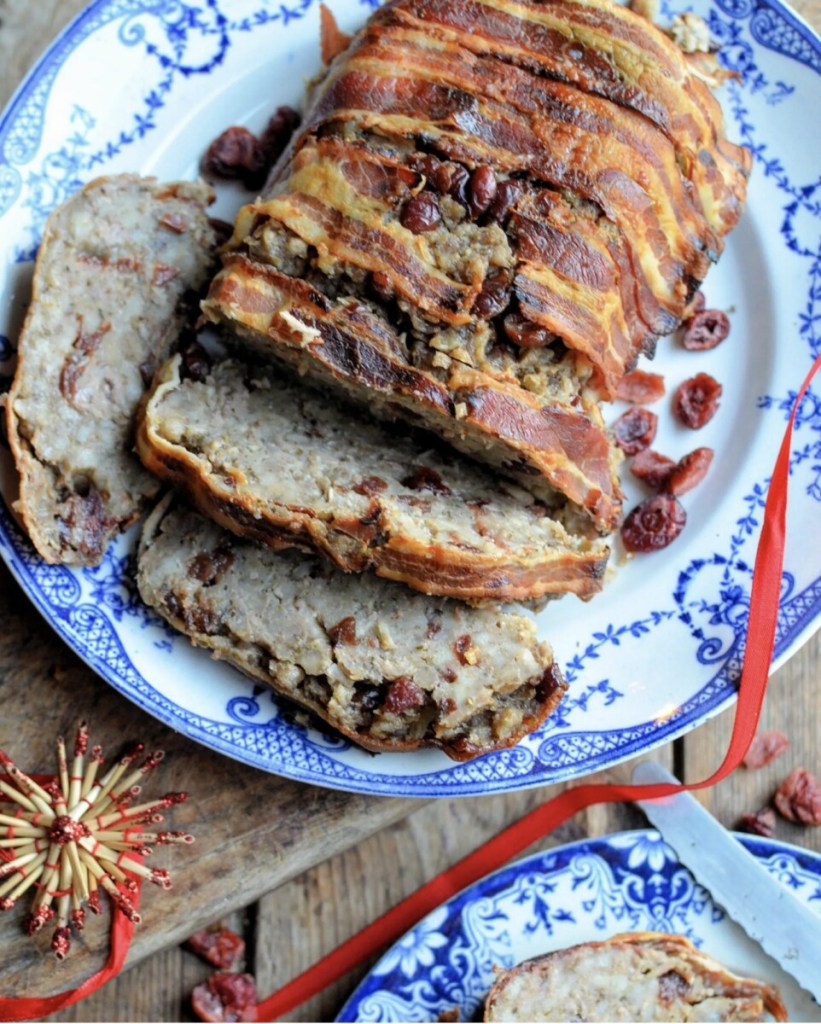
point(644, 870)
point(91, 631)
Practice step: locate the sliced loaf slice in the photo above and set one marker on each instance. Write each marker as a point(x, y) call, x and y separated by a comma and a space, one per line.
point(638, 976)
point(557, 448)
point(275, 461)
point(389, 669)
point(118, 271)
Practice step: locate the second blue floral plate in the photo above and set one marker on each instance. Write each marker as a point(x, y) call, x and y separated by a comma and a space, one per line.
point(582, 892)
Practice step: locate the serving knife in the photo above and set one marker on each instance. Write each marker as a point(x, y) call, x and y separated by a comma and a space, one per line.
point(768, 912)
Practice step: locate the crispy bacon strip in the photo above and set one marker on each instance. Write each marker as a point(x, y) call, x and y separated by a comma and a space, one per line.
point(337, 199)
point(575, 275)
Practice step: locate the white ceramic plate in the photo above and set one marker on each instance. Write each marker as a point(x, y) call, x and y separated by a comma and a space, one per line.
point(656, 653)
point(583, 892)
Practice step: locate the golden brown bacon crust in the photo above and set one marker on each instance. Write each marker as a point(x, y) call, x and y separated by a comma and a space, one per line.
point(610, 51)
point(619, 185)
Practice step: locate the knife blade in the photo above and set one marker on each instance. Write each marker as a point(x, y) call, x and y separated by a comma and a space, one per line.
point(785, 928)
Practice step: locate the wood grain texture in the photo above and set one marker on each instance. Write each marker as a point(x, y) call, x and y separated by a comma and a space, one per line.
point(254, 831)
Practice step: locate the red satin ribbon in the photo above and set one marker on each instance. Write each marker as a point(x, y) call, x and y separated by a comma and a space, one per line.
point(36, 1008)
point(512, 841)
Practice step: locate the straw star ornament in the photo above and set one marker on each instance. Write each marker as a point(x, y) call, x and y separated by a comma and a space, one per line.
point(76, 834)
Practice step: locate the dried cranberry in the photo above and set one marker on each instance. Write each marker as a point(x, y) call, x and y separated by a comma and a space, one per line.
point(672, 986)
point(525, 333)
point(236, 153)
point(765, 747)
point(507, 193)
point(653, 524)
point(344, 632)
point(705, 329)
point(218, 946)
point(651, 467)
point(370, 486)
point(424, 163)
point(762, 823)
point(689, 471)
point(461, 647)
point(282, 125)
point(551, 681)
point(433, 629)
point(233, 153)
point(421, 213)
point(493, 299)
point(635, 430)
point(798, 798)
point(423, 478)
point(208, 566)
point(403, 694)
point(448, 179)
point(226, 997)
point(640, 388)
point(427, 165)
point(482, 190)
point(453, 180)
point(239, 154)
point(696, 400)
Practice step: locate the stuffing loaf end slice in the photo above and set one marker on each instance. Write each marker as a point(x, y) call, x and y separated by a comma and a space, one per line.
point(389, 669)
point(636, 976)
point(118, 273)
point(275, 461)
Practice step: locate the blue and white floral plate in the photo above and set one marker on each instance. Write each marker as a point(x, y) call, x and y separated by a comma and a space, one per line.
point(583, 892)
point(659, 651)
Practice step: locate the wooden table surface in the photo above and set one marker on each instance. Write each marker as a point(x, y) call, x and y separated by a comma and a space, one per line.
point(294, 868)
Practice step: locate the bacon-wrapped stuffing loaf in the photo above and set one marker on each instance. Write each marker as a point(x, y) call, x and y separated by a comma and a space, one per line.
point(492, 208)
